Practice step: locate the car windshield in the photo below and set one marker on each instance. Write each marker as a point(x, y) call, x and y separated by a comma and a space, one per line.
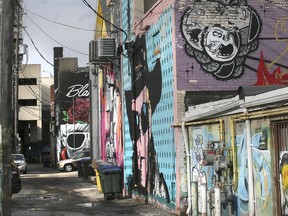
point(82, 154)
point(18, 157)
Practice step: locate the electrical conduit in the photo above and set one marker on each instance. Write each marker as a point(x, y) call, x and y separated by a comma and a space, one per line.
point(188, 211)
point(250, 166)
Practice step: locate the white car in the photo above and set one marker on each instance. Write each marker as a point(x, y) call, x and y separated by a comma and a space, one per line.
point(69, 165)
point(20, 161)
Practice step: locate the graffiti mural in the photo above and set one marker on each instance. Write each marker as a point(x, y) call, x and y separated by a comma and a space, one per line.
point(261, 172)
point(74, 118)
point(284, 181)
point(141, 102)
point(220, 35)
point(270, 72)
point(111, 117)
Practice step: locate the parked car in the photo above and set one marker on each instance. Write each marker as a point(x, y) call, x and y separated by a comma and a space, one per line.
point(71, 164)
point(20, 161)
point(15, 179)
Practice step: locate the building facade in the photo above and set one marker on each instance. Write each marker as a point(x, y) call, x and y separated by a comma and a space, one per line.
point(72, 107)
point(33, 115)
point(176, 55)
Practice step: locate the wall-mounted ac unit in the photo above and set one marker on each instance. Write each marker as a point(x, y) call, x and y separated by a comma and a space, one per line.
point(93, 51)
point(106, 47)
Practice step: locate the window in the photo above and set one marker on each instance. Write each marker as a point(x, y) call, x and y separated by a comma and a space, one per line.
point(27, 81)
point(27, 102)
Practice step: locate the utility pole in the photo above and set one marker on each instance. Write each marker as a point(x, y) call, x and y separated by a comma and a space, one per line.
point(6, 59)
point(16, 80)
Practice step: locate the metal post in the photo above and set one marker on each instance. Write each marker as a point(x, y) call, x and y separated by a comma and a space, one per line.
point(74, 122)
point(94, 111)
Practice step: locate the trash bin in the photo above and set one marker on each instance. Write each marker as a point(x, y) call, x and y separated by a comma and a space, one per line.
point(80, 169)
point(111, 181)
point(98, 181)
point(46, 159)
point(96, 164)
point(46, 162)
point(87, 168)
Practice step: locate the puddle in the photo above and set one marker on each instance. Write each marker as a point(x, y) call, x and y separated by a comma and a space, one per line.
point(45, 197)
point(87, 205)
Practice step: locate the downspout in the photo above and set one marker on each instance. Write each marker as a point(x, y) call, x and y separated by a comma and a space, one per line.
point(234, 156)
point(188, 211)
point(250, 165)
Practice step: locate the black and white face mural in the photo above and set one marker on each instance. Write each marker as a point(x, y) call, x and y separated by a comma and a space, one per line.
point(220, 35)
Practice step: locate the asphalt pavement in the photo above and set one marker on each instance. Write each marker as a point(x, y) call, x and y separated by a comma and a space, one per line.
point(48, 192)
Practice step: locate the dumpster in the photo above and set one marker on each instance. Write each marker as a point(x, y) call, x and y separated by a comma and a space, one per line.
point(111, 181)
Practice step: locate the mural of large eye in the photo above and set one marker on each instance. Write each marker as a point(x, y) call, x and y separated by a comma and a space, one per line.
point(220, 44)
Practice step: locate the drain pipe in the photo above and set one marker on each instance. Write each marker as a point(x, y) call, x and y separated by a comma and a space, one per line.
point(250, 165)
point(188, 212)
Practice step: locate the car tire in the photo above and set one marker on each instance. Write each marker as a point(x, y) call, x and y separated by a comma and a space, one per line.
point(68, 167)
point(25, 171)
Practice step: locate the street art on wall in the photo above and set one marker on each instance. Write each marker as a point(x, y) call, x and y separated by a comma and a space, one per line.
point(74, 108)
point(222, 45)
point(220, 36)
point(72, 138)
point(111, 117)
point(284, 181)
point(141, 102)
point(261, 171)
point(203, 167)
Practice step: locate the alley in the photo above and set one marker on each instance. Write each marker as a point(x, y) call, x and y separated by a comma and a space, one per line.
point(46, 191)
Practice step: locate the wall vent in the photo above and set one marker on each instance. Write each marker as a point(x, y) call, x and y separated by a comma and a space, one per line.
point(93, 51)
point(106, 47)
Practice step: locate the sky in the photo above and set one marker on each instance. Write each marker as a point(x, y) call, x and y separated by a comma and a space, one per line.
point(40, 21)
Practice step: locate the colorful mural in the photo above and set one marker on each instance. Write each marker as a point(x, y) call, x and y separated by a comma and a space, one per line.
point(204, 166)
point(111, 117)
point(261, 170)
point(74, 118)
point(141, 102)
point(284, 181)
point(220, 36)
point(239, 42)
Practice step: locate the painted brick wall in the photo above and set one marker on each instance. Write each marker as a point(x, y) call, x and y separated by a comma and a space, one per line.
point(253, 52)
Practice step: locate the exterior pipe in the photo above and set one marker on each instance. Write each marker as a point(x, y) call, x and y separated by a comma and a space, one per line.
point(194, 192)
point(217, 205)
point(250, 167)
point(188, 212)
point(202, 197)
point(234, 155)
point(221, 130)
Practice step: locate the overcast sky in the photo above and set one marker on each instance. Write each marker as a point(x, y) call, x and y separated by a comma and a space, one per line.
point(47, 34)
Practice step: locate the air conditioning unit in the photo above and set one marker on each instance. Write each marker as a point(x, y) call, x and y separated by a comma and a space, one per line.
point(93, 51)
point(106, 47)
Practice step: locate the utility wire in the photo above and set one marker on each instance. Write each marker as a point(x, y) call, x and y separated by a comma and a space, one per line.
point(37, 96)
point(40, 52)
point(58, 23)
point(37, 48)
point(107, 21)
point(54, 39)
